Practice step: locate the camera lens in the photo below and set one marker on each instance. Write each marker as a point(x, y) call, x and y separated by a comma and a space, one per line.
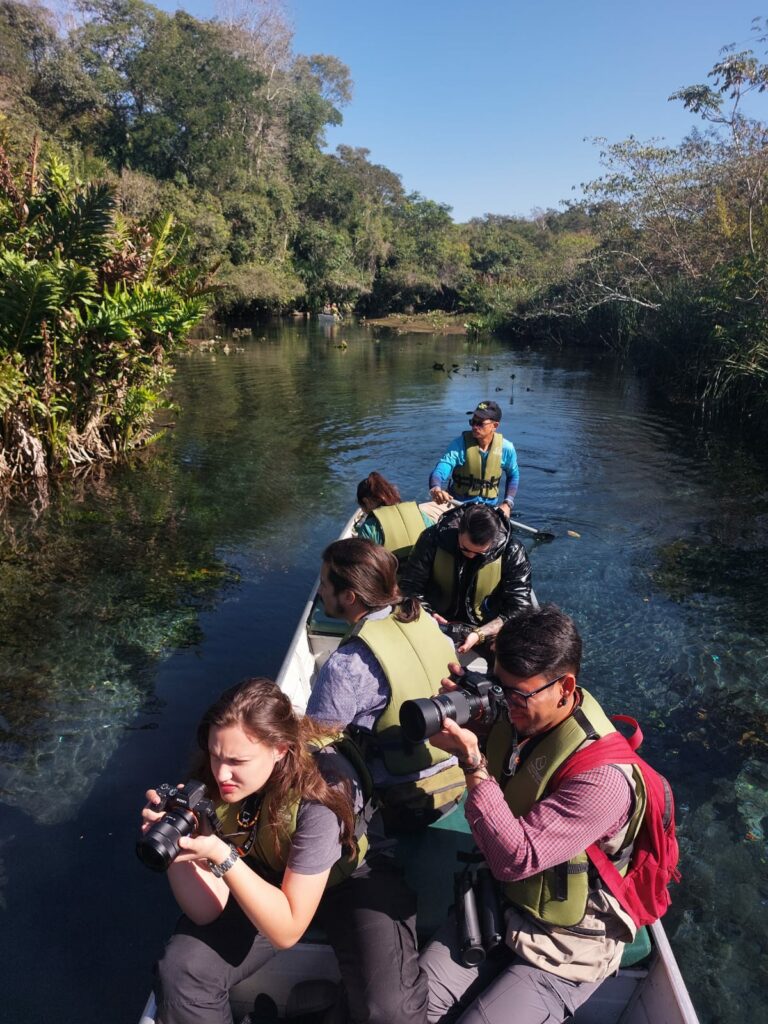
point(422, 718)
point(488, 911)
point(159, 847)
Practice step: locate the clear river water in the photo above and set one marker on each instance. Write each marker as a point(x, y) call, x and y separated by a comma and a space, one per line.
point(135, 598)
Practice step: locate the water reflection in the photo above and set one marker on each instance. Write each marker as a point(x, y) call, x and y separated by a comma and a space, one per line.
point(210, 547)
point(93, 594)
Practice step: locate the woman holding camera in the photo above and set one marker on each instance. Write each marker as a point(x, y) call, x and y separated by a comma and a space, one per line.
point(289, 804)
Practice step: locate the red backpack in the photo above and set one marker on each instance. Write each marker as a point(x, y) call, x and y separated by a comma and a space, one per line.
point(643, 892)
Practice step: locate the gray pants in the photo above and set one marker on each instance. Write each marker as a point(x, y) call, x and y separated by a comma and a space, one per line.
point(370, 922)
point(503, 990)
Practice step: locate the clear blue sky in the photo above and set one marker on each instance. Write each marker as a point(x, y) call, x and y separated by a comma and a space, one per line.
point(485, 104)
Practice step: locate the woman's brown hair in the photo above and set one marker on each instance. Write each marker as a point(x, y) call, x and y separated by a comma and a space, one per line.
point(375, 491)
point(264, 712)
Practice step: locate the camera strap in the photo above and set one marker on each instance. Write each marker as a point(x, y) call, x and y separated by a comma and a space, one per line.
point(248, 820)
point(513, 756)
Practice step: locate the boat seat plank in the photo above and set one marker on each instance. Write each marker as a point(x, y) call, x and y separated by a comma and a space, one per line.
point(429, 859)
point(635, 952)
point(322, 623)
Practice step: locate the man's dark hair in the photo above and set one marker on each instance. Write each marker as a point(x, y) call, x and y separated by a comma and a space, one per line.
point(480, 523)
point(539, 641)
point(368, 569)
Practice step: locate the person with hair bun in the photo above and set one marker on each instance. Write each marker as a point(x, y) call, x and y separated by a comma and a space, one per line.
point(392, 652)
point(389, 521)
point(290, 850)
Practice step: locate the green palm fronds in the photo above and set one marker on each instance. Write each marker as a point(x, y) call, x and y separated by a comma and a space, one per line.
point(78, 227)
point(31, 293)
point(88, 314)
point(164, 252)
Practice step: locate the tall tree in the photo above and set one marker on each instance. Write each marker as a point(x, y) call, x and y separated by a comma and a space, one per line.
point(189, 91)
point(107, 43)
point(259, 32)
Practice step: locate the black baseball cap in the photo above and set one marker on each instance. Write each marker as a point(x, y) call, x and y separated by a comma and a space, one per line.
point(487, 411)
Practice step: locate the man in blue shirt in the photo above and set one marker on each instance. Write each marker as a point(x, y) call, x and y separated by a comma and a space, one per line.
point(471, 469)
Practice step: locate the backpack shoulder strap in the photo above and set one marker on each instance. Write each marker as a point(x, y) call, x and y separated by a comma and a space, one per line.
point(610, 749)
point(348, 748)
point(635, 737)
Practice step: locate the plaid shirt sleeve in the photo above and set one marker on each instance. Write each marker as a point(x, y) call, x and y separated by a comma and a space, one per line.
point(587, 808)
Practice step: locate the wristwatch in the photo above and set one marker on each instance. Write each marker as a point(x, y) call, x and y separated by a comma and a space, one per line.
point(481, 638)
point(221, 869)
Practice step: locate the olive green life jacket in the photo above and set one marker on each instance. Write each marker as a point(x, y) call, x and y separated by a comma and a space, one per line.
point(487, 579)
point(402, 525)
point(414, 657)
point(557, 896)
point(270, 862)
point(478, 478)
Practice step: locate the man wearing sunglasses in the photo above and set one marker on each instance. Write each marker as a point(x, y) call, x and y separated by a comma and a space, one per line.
point(470, 569)
point(564, 932)
point(472, 468)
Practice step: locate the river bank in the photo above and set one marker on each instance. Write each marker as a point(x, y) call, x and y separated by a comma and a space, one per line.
point(433, 322)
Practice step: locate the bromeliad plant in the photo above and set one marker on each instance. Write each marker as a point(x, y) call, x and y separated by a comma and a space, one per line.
point(90, 309)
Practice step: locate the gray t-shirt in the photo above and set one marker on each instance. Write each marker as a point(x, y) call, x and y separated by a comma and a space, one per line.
point(316, 846)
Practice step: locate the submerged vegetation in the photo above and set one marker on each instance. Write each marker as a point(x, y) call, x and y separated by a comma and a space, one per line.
point(219, 126)
point(95, 593)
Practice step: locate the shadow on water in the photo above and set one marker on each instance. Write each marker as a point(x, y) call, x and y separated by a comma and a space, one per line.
point(128, 606)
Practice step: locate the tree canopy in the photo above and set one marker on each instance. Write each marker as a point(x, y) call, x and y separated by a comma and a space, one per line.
point(221, 125)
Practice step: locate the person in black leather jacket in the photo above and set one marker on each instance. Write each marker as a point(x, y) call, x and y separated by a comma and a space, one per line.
point(469, 568)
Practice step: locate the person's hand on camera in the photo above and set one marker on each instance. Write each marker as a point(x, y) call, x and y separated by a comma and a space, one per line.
point(152, 810)
point(452, 681)
point(455, 740)
point(207, 848)
point(439, 619)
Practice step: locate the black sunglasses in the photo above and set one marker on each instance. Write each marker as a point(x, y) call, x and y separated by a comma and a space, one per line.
point(519, 697)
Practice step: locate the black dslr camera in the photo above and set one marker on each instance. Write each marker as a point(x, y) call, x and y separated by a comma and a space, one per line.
point(480, 698)
point(188, 812)
point(457, 632)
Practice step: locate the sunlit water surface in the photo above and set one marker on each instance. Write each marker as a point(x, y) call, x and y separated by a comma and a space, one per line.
point(129, 604)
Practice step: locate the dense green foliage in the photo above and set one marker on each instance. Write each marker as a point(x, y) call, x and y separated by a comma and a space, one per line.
point(678, 271)
point(87, 317)
point(222, 125)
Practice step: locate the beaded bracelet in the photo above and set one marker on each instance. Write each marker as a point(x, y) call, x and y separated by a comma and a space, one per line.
point(470, 769)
